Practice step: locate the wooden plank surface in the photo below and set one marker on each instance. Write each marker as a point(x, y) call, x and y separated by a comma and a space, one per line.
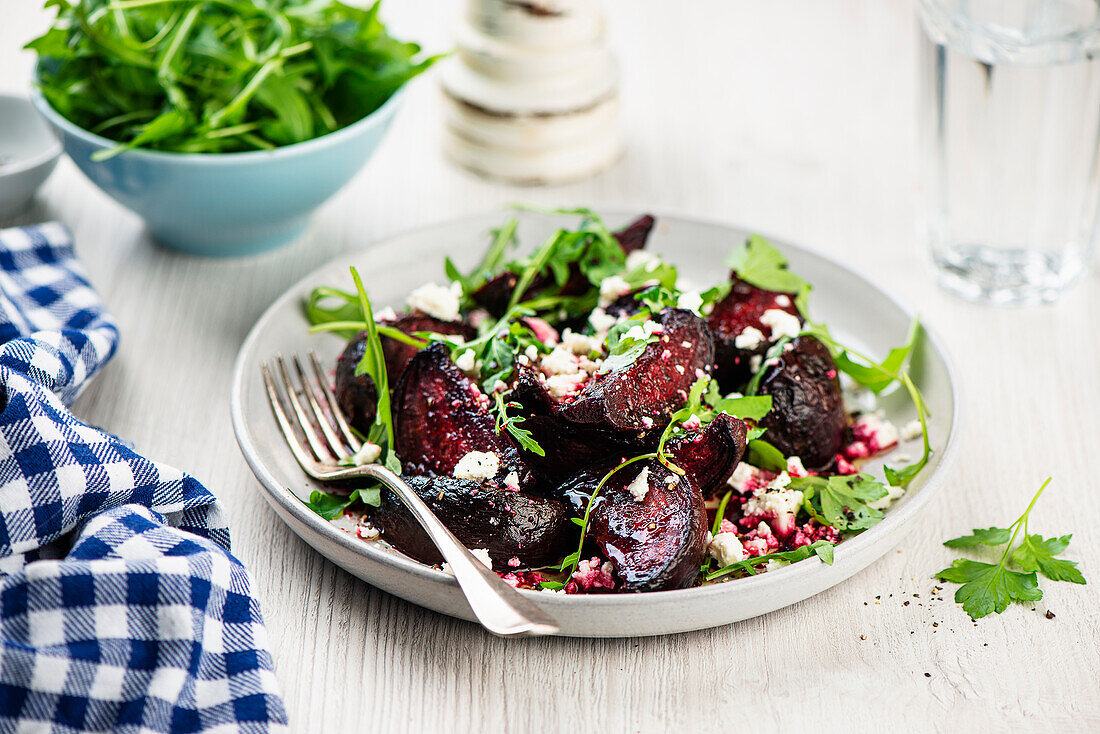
point(794, 118)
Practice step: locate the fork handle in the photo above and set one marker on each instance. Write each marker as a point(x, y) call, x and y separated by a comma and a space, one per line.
point(500, 608)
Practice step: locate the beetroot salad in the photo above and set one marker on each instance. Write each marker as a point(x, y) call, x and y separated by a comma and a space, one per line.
point(587, 422)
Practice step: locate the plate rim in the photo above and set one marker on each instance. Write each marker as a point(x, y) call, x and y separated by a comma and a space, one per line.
point(897, 518)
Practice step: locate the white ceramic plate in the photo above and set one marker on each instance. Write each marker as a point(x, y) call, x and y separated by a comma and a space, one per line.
point(858, 312)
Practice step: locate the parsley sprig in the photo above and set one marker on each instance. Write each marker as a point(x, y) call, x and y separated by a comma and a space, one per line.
point(841, 501)
point(991, 587)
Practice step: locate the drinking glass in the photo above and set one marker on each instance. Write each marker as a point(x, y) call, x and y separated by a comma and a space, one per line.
point(1010, 134)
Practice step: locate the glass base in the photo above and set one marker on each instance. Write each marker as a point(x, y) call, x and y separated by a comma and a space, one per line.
point(1004, 276)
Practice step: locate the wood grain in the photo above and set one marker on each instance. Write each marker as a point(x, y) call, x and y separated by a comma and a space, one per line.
point(794, 118)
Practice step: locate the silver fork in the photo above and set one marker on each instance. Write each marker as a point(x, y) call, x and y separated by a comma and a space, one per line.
point(501, 609)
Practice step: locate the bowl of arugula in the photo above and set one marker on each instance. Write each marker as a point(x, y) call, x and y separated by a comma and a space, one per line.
point(222, 124)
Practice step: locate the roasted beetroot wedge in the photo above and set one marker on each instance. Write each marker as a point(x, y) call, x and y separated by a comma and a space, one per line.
point(510, 525)
point(709, 456)
point(357, 396)
point(807, 418)
point(635, 235)
point(569, 447)
point(650, 523)
point(398, 353)
point(440, 415)
point(645, 393)
point(740, 310)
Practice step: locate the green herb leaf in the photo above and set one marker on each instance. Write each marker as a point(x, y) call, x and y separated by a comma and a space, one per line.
point(988, 587)
point(987, 536)
point(758, 263)
point(511, 424)
point(1037, 553)
point(214, 77)
point(823, 549)
point(841, 501)
point(762, 454)
point(330, 506)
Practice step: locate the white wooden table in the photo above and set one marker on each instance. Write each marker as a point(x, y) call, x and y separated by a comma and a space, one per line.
point(794, 118)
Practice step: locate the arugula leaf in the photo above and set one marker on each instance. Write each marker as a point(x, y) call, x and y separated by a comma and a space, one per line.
point(989, 587)
point(823, 549)
point(330, 506)
point(214, 77)
point(626, 341)
point(762, 454)
point(491, 261)
point(511, 424)
point(758, 263)
point(841, 501)
point(373, 364)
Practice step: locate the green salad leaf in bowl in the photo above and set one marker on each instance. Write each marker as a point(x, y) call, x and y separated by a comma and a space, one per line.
point(218, 76)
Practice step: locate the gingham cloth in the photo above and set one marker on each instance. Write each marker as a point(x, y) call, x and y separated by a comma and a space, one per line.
point(121, 608)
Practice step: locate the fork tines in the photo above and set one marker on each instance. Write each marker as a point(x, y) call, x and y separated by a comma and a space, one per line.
point(327, 435)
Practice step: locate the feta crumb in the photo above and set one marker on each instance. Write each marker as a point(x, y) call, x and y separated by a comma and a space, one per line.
point(782, 300)
point(755, 363)
point(477, 465)
point(531, 352)
point(726, 549)
point(645, 330)
point(734, 396)
point(368, 453)
point(780, 482)
point(465, 361)
point(366, 531)
point(512, 481)
point(692, 301)
point(499, 386)
point(560, 362)
point(892, 495)
point(513, 562)
point(482, 554)
point(640, 486)
point(749, 338)
point(795, 467)
point(774, 502)
point(743, 475)
point(775, 563)
point(611, 288)
point(781, 323)
point(647, 422)
point(601, 321)
point(911, 430)
point(436, 300)
point(561, 386)
point(386, 314)
point(580, 344)
point(642, 259)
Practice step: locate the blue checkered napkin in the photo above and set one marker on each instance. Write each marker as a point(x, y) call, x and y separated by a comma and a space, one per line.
point(121, 608)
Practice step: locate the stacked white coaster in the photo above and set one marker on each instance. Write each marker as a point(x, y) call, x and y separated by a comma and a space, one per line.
point(532, 95)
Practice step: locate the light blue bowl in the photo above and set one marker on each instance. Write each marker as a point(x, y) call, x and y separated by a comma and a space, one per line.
point(226, 204)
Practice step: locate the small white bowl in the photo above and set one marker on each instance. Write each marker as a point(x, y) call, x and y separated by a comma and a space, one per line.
point(28, 153)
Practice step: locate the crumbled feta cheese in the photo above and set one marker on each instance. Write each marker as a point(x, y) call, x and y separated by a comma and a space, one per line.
point(647, 422)
point(774, 502)
point(368, 453)
point(692, 301)
point(874, 432)
point(386, 314)
point(692, 423)
point(601, 321)
point(795, 467)
point(560, 362)
point(531, 352)
point(512, 481)
point(734, 396)
point(892, 495)
point(561, 386)
point(644, 330)
point(781, 323)
point(580, 344)
point(436, 300)
point(513, 562)
point(781, 481)
point(499, 386)
point(749, 338)
point(782, 300)
point(366, 531)
point(611, 288)
point(726, 548)
point(911, 430)
point(755, 363)
point(642, 259)
point(775, 563)
point(482, 554)
point(743, 476)
point(640, 486)
point(594, 575)
point(465, 361)
point(477, 465)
